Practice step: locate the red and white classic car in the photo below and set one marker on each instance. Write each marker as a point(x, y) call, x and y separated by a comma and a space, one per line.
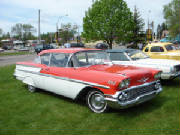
point(88, 74)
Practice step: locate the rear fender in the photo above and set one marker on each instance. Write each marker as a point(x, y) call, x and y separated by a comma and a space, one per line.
point(29, 81)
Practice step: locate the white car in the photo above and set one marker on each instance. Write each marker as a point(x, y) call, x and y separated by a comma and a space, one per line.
point(170, 68)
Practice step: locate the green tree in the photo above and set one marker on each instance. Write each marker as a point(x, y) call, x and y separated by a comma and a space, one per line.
point(159, 31)
point(23, 31)
point(172, 16)
point(108, 20)
point(138, 27)
point(27, 31)
point(48, 37)
point(1, 31)
point(67, 32)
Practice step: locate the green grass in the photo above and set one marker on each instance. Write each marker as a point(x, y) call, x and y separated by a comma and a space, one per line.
point(22, 112)
point(14, 53)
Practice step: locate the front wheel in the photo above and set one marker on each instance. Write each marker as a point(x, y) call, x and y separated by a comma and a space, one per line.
point(96, 102)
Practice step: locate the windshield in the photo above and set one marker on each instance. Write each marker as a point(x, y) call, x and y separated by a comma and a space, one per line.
point(90, 58)
point(136, 54)
point(170, 47)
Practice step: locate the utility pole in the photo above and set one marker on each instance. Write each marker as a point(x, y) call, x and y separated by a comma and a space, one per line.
point(39, 33)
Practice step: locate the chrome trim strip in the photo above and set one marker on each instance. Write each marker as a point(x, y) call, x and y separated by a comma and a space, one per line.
point(67, 79)
point(27, 66)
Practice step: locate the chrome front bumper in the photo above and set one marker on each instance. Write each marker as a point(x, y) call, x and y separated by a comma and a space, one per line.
point(114, 101)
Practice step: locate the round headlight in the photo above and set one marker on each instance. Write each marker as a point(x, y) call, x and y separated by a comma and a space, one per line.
point(122, 96)
point(158, 75)
point(127, 82)
point(124, 84)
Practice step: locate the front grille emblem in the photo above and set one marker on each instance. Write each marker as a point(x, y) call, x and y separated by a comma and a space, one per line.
point(143, 80)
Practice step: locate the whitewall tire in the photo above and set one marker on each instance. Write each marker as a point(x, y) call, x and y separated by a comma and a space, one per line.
point(96, 102)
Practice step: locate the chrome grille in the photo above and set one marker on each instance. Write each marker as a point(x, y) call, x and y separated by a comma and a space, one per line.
point(136, 92)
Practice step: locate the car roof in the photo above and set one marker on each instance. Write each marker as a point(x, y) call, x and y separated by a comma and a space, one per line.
point(159, 44)
point(120, 50)
point(67, 50)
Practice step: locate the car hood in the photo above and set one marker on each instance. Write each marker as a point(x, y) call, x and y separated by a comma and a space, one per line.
point(173, 53)
point(134, 73)
point(157, 62)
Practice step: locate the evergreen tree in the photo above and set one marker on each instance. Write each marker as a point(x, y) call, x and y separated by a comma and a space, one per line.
point(138, 27)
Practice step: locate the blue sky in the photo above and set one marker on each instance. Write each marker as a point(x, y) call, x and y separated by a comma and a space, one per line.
point(26, 11)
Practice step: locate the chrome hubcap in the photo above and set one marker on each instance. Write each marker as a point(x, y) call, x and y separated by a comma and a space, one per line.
point(97, 101)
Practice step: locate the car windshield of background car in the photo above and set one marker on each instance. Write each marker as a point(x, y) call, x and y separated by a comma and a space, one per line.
point(118, 56)
point(39, 46)
point(135, 55)
point(92, 58)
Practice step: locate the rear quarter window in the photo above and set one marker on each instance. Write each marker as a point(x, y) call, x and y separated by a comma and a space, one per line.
point(45, 59)
point(157, 49)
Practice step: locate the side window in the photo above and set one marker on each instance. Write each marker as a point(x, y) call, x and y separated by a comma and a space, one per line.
point(59, 59)
point(81, 59)
point(45, 59)
point(147, 49)
point(157, 49)
point(118, 57)
point(37, 60)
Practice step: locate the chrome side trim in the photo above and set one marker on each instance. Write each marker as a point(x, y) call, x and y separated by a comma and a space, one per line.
point(27, 65)
point(67, 79)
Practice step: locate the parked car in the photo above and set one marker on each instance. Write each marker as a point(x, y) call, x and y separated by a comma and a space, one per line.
point(79, 73)
point(162, 51)
point(170, 68)
point(72, 45)
point(1, 50)
point(101, 46)
point(40, 47)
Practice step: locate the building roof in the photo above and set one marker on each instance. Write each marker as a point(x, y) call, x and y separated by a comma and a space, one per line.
point(159, 44)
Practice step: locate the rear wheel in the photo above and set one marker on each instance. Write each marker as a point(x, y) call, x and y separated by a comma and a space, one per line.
point(31, 88)
point(96, 102)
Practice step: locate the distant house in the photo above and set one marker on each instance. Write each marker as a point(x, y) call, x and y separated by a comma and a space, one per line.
point(7, 44)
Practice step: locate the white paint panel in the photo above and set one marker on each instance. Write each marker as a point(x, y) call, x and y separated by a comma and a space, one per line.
point(63, 87)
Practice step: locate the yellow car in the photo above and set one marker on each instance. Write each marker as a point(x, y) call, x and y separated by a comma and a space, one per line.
point(162, 51)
